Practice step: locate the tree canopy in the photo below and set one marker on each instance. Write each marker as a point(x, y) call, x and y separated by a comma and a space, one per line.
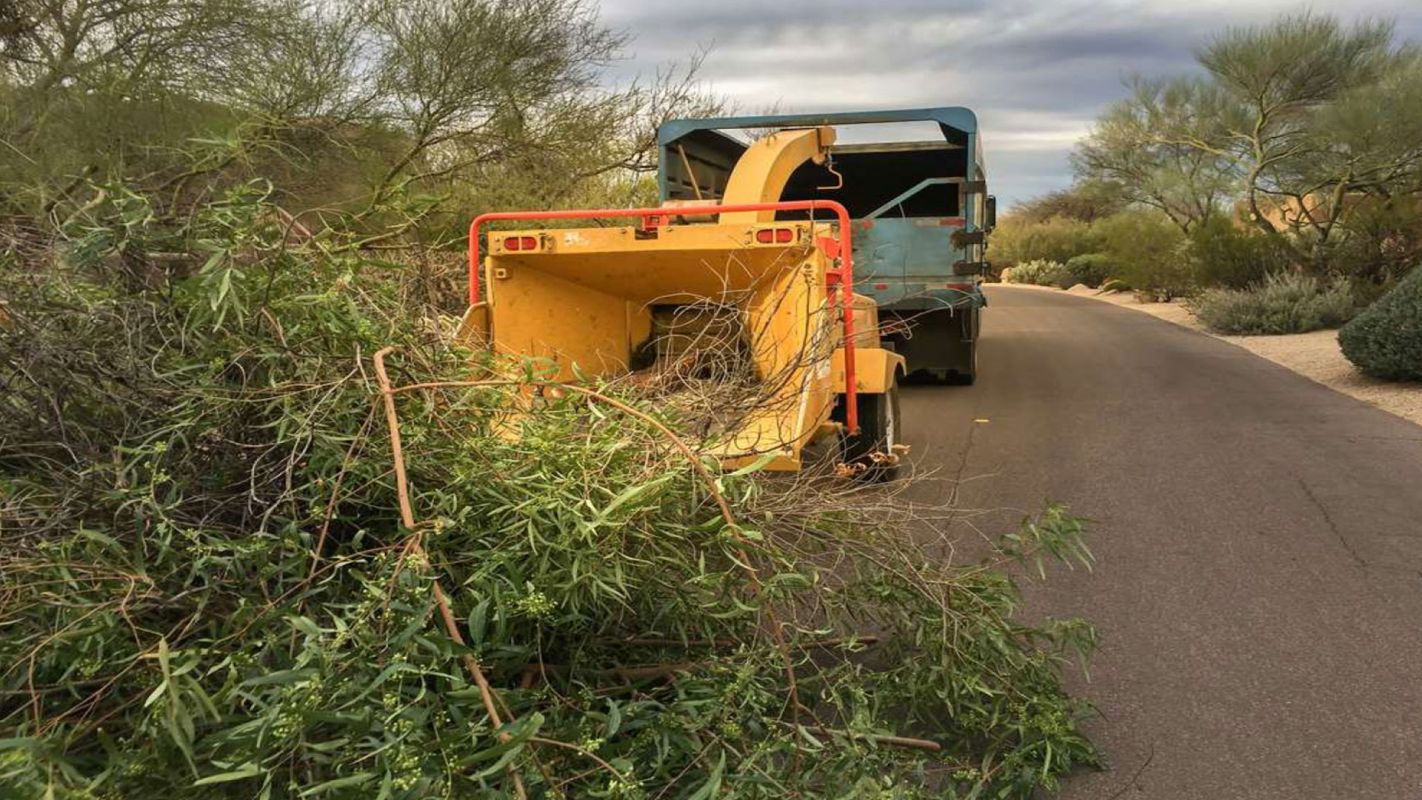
point(343, 105)
point(1304, 112)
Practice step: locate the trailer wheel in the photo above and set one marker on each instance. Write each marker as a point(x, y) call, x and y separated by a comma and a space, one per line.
point(880, 429)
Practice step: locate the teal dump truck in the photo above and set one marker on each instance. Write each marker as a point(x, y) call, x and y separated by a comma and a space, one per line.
point(921, 216)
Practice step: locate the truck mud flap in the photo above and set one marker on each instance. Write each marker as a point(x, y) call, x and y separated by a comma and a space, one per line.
point(938, 344)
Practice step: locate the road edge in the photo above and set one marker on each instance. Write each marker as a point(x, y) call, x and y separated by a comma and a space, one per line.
point(1398, 399)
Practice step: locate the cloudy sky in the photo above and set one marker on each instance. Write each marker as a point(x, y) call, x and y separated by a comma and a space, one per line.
point(1036, 71)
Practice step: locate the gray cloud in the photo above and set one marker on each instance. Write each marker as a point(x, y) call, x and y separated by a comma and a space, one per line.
point(1036, 71)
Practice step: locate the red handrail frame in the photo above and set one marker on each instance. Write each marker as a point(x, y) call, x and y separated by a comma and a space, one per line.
point(843, 274)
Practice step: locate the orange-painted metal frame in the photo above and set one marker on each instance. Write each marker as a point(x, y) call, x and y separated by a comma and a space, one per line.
point(655, 217)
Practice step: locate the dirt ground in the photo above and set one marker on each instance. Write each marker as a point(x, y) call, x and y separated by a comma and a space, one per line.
point(1314, 355)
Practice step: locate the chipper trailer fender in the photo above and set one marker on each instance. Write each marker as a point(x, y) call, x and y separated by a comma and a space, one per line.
point(592, 302)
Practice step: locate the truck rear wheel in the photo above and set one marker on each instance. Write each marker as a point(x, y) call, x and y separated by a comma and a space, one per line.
point(879, 431)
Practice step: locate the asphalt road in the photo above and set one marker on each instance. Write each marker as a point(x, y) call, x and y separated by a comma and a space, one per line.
point(1258, 585)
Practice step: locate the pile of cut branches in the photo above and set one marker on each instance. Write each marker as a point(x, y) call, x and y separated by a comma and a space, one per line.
point(241, 556)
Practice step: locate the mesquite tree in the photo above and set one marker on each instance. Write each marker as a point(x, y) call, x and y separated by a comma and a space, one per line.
point(1276, 84)
point(1130, 148)
point(1295, 119)
point(352, 106)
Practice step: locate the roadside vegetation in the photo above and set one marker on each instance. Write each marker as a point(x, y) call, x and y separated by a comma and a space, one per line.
point(1385, 340)
point(1039, 272)
point(266, 532)
point(1281, 303)
point(1288, 174)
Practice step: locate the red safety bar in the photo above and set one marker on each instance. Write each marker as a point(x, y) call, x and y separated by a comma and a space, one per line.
point(843, 274)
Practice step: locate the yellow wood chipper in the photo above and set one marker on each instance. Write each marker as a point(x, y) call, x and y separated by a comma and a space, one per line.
point(770, 281)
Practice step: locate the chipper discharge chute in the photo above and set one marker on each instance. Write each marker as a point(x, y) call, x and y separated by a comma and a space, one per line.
point(747, 291)
point(916, 188)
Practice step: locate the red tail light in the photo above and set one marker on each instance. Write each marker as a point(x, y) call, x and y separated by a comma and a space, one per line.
point(520, 243)
point(774, 236)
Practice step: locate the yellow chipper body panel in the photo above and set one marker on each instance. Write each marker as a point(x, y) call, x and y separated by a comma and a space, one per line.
point(593, 302)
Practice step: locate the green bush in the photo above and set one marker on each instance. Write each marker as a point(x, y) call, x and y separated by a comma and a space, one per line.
point(1224, 256)
point(1015, 240)
point(1379, 243)
point(1092, 269)
point(1385, 339)
point(1148, 247)
point(213, 586)
point(1041, 273)
point(1282, 303)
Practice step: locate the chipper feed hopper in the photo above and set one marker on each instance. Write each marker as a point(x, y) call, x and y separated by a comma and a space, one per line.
point(748, 277)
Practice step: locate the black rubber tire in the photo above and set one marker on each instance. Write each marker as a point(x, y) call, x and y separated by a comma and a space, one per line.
point(880, 428)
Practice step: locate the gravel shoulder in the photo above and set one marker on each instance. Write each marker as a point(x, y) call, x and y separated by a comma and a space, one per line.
point(1314, 355)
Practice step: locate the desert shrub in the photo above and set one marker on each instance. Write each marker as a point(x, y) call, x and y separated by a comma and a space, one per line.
point(1281, 303)
point(1148, 248)
point(1041, 273)
point(1092, 269)
point(1084, 200)
point(1058, 239)
point(1385, 339)
point(1380, 242)
point(213, 585)
point(1225, 256)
